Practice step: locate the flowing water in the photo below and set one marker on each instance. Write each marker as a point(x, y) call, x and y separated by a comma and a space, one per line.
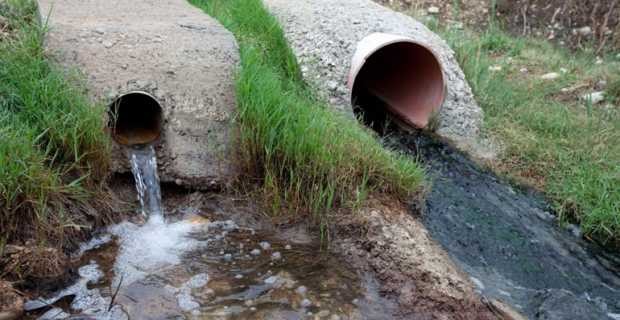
point(197, 265)
point(509, 243)
point(144, 168)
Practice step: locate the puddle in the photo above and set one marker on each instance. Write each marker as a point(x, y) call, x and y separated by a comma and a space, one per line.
point(509, 243)
point(200, 269)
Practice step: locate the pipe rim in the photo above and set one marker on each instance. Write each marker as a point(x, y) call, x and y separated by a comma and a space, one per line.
point(377, 41)
point(112, 121)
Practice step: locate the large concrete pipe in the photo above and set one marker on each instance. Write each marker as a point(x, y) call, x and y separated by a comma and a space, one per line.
point(405, 69)
point(165, 68)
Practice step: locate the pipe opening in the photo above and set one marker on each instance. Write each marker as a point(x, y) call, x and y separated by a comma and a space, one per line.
point(135, 118)
point(401, 81)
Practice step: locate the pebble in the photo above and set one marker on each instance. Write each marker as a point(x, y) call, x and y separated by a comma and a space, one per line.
point(322, 313)
point(276, 256)
point(108, 44)
point(302, 290)
point(239, 276)
point(594, 97)
point(495, 68)
point(550, 76)
point(228, 257)
point(433, 10)
point(575, 230)
point(584, 31)
point(523, 70)
point(271, 280)
point(305, 303)
point(288, 247)
point(255, 252)
point(563, 70)
point(198, 281)
point(265, 245)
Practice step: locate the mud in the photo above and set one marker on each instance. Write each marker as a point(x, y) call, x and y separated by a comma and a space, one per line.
point(412, 269)
point(508, 241)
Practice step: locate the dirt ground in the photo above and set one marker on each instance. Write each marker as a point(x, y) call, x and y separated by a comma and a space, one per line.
point(576, 24)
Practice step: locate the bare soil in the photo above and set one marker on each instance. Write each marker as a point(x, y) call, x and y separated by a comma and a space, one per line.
point(565, 22)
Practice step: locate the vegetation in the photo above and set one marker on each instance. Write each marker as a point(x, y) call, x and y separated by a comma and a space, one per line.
point(550, 136)
point(53, 151)
point(307, 158)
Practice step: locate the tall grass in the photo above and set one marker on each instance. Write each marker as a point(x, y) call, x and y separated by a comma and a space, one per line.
point(307, 159)
point(567, 148)
point(53, 150)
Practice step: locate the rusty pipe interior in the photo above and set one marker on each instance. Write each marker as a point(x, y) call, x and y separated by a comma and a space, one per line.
point(402, 80)
point(135, 118)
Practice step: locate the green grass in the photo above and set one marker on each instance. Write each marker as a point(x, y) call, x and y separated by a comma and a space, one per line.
point(54, 153)
point(308, 159)
point(568, 148)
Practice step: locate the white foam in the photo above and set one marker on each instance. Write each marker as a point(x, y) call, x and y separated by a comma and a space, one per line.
point(152, 247)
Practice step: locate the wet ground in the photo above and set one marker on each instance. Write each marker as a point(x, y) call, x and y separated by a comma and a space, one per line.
point(203, 267)
point(507, 240)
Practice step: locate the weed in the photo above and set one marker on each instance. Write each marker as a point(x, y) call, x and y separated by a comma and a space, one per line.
point(53, 152)
point(307, 158)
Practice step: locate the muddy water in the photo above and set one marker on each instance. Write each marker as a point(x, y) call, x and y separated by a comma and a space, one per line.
point(200, 269)
point(509, 243)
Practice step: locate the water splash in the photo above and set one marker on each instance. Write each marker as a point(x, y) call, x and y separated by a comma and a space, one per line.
point(144, 169)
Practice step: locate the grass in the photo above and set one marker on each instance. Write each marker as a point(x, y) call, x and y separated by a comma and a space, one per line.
point(551, 139)
point(53, 152)
point(308, 159)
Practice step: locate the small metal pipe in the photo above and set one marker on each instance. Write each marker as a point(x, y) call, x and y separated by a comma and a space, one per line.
point(398, 74)
point(135, 118)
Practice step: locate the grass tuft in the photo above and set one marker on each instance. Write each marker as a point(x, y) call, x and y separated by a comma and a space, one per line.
point(551, 139)
point(54, 153)
point(307, 158)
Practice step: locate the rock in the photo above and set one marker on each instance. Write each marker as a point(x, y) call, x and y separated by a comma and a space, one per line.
point(53, 314)
point(559, 304)
point(255, 252)
point(495, 68)
point(301, 290)
point(228, 257)
point(523, 70)
point(594, 97)
point(433, 10)
point(550, 76)
point(276, 256)
point(288, 247)
point(584, 31)
point(306, 303)
point(265, 245)
point(271, 280)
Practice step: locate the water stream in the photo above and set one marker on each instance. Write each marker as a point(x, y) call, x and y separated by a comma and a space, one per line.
point(199, 265)
point(510, 244)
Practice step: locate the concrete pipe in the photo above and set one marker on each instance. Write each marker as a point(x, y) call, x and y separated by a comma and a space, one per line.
point(403, 76)
point(135, 118)
point(395, 74)
point(168, 69)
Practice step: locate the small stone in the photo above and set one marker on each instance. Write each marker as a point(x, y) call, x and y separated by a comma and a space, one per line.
point(334, 317)
point(322, 313)
point(248, 303)
point(271, 280)
point(108, 44)
point(255, 252)
point(265, 245)
point(594, 97)
point(618, 56)
point(332, 85)
point(433, 10)
point(288, 247)
point(495, 68)
point(550, 76)
point(306, 303)
point(301, 290)
point(276, 256)
point(575, 230)
point(198, 281)
point(563, 70)
point(598, 61)
point(228, 257)
point(239, 276)
point(99, 30)
point(523, 70)
point(584, 31)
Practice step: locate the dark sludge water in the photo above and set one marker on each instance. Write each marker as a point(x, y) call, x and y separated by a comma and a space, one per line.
point(508, 241)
